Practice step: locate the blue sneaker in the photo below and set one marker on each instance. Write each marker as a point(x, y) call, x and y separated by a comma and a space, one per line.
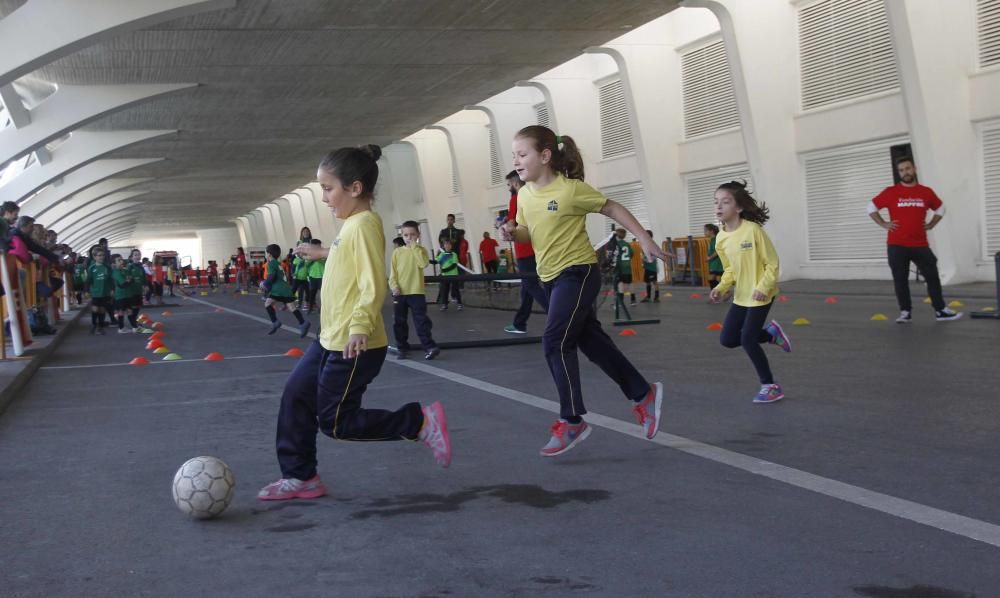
point(769, 393)
point(778, 336)
point(564, 437)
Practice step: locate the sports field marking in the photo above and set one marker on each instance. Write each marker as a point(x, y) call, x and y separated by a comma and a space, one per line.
point(947, 521)
point(115, 365)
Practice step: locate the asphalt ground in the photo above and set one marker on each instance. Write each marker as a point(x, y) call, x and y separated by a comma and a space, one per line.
point(877, 476)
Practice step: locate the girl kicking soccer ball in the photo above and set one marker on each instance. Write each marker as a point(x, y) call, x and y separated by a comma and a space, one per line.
point(750, 264)
point(552, 209)
point(323, 392)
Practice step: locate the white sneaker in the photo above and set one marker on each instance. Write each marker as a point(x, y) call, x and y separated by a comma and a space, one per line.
point(904, 317)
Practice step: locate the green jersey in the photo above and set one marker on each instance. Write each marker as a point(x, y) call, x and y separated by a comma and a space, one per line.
point(138, 274)
point(300, 268)
point(624, 257)
point(79, 276)
point(714, 264)
point(99, 276)
point(316, 268)
point(276, 278)
point(448, 260)
point(123, 282)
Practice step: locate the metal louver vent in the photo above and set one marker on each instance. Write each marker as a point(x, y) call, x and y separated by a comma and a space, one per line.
point(542, 114)
point(709, 101)
point(988, 26)
point(454, 178)
point(496, 172)
point(616, 132)
point(700, 188)
point(839, 186)
point(991, 187)
point(845, 51)
point(633, 197)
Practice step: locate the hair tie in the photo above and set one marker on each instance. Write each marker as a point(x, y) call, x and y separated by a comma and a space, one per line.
point(558, 139)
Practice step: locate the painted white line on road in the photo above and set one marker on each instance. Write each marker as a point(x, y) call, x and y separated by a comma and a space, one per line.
point(947, 521)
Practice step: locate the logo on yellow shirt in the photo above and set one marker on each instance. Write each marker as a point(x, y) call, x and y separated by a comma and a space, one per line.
point(553, 206)
point(336, 243)
point(746, 245)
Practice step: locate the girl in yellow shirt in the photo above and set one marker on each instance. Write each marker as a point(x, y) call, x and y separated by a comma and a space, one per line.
point(323, 392)
point(750, 267)
point(552, 209)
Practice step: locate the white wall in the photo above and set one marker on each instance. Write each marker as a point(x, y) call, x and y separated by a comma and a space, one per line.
point(218, 244)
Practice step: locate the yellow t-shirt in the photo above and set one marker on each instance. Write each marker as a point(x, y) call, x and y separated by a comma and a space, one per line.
point(750, 263)
point(354, 284)
point(407, 270)
point(556, 218)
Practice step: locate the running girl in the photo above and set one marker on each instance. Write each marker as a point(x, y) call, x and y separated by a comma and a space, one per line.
point(551, 214)
point(324, 390)
point(750, 264)
point(279, 293)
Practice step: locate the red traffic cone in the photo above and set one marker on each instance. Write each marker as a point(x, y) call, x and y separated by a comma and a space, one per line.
point(156, 336)
point(627, 332)
point(715, 326)
point(783, 298)
point(294, 352)
point(167, 313)
point(139, 361)
point(154, 344)
point(214, 357)
point(696, 295)
point(158, 325)
point(830, 300)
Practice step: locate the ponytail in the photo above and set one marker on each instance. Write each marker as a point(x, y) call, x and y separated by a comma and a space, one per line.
point(566, 160)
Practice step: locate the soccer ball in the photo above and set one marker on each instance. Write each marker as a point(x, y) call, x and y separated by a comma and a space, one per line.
point(203, 487)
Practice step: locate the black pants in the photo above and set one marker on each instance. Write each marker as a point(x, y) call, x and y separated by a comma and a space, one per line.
point(300, 289)
point(401, 328)
point(449, 286)
point(531, 290)
point(571, 323)
point(744, 326)
point(491, 266)
point(925, 260)
point(315, 284)
point(324, 393)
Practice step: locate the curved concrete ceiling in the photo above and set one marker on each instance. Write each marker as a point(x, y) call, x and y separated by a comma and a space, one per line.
point(281, 83)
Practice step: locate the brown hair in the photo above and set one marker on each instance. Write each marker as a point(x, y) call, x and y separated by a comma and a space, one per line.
point(566, 161)
point(750, 209)
point(351, 164)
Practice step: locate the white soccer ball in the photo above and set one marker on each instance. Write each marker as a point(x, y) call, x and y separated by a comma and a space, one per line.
point(203, 487)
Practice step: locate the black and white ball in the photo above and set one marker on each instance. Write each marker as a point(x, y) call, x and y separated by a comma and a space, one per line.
point(203, 487)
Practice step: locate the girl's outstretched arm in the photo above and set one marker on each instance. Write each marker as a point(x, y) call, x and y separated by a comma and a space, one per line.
point(620, 214)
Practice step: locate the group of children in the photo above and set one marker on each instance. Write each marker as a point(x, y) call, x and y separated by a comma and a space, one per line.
point(115, 285)
point(324, 392)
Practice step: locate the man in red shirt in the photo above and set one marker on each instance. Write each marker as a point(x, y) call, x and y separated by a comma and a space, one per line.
point(488, 253)
point(908, 203)
point(524, 254)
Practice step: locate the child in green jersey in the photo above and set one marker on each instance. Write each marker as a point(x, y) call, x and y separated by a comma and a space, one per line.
point(279, 292)
point(99, 275)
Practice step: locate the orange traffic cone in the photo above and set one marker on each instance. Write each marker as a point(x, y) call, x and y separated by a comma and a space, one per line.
point(715, 326)
point(167, 313)
point(294, 352)
point(783, 298)
point(830, 300)
point(214, 357)
point(156, 336)
point(158, 325)
point(139, 361)
point(627, 332)
point(154, 344)
point(696, 295)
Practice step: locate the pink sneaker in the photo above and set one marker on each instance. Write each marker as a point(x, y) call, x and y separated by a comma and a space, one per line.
point(647, 411)
point(287, 488)
point(564, 437)
point(435, 433)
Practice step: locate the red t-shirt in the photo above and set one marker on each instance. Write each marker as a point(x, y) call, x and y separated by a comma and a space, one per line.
point(488, 247)
point(908, 208)
point(520, 249)
point(241, 262)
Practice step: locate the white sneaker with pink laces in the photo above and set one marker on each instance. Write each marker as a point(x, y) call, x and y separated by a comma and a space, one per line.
point(287, 488)
point(434, 433)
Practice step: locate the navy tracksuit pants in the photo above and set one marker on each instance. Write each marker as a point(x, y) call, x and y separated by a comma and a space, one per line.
point(572, 323)
point(531, 290)
point(744, 326)
point(401, 304)
point(323, 393)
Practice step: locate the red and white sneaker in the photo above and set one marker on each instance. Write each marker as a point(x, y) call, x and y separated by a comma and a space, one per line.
point(647, 411)
point(564, 437)
point(287, 488)
point(434, 433)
